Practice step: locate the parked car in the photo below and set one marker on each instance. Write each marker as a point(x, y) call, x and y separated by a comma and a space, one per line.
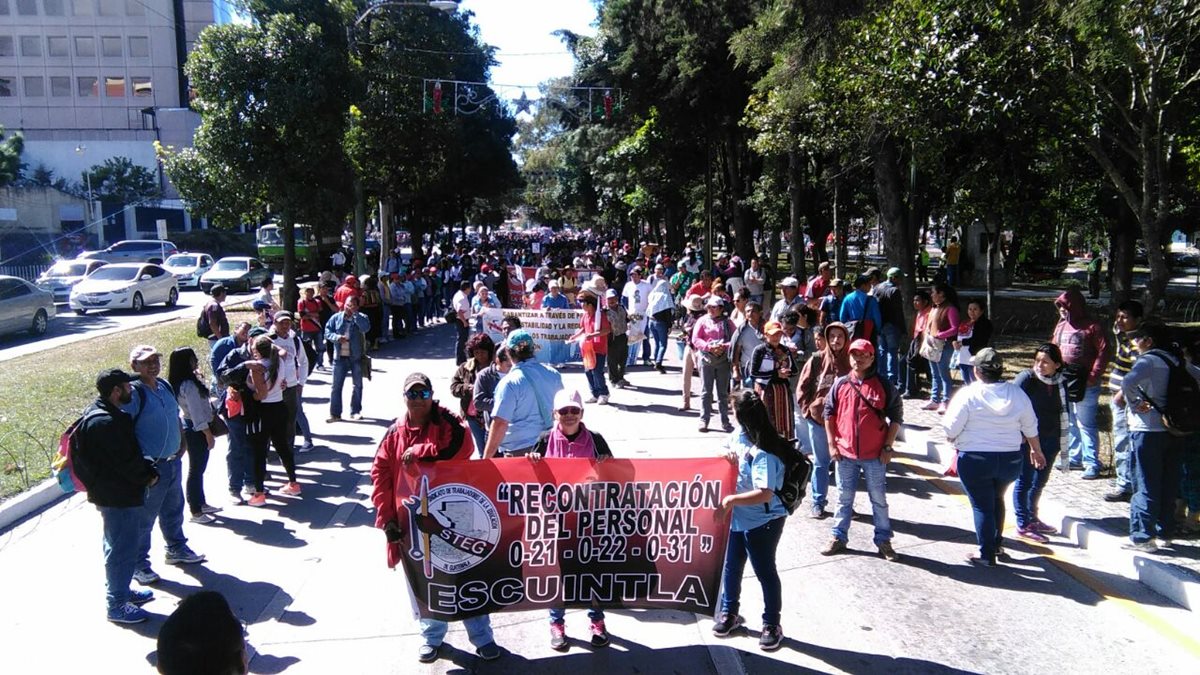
point(236, 273)
point(24, 306)
point(189, 267)
point(64, 274)
point(135, 250)
point(125, 286)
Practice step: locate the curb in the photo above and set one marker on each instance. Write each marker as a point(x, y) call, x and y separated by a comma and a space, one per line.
point(1177, 584)
point(45, 494)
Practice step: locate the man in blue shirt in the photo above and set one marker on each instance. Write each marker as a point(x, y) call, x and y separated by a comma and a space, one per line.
point(156, 425)
point(347, 331)
point(861, 306)
point(555, 299)
point(222, 347)
point(524, 400)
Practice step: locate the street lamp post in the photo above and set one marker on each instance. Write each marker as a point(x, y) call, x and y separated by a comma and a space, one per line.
point(87, 177)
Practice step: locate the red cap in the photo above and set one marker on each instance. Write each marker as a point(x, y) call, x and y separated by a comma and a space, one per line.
point(861, 345)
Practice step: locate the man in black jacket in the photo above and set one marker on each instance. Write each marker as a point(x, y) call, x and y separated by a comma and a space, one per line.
point(109, 463)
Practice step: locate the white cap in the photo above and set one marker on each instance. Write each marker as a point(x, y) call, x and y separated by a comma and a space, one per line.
point(567, 398)
point(790, 281)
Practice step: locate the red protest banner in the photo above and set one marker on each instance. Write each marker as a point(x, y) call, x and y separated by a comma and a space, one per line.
point(510, 534)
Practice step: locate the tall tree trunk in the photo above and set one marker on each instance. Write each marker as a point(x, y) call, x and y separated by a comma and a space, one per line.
point(993, 232)
point(898, 233)
point(1123, 239)
point(795, 216)
point(360, 224)
point(743, 219)
point(288, 294)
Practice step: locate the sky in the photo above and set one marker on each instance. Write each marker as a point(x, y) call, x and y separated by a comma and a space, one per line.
point(521, 32)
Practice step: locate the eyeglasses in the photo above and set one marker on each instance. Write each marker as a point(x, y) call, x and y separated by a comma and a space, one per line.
point(418, 394)
point(570, 411)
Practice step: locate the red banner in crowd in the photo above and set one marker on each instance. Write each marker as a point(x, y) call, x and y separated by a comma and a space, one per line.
point(513, 535)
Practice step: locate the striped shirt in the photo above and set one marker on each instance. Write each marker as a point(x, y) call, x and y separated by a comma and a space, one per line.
point(1122, 361)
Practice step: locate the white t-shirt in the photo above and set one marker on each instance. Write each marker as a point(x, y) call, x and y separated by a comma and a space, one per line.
point(461, 303)
point(293, 369)
point(638, 296)
point(275, 391)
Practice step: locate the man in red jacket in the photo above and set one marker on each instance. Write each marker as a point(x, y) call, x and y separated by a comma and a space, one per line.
point(428, 432)
point(863, 414)
point(1084, 345)
point(348, 288)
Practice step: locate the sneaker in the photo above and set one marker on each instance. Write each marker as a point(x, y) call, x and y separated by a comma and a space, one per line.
point(603, 400)
point(889, 554)
point(834, 547)
point(184, 556)
point(818, 512)
point(932, 405)
point(427, 653)
point(1091, 473)
point(337, 418)
point(140, 597)
point(1118, 495)
point(727, 623)
point(703, 427)
point(591, 399)
point(306, 447)
point(941, 409)
point(210, 509)
point(1147, 546)
point(1075, 466)
point(771, 638)
point(291, 489)
point(558, 637)
point(202, 518)
point(1030, 532)
point(599, 633)
point(1163, 542)
point(236, 496)
point(488, 652)
point(259, 499)
point(146, 577)
point(356, 416)
point(980, 562)
point(127, 613)
point(1043, 528)
point(727, 428)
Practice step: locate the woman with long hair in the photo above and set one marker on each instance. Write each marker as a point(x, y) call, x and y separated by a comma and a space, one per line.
point(973, 334)
point(197, 415)
point(757, 517)
point(1044, 385)
point(940, 326)
point(816, 379)
point(271, 427)
point(593, 337)
point(481, 351)
point(772, 365)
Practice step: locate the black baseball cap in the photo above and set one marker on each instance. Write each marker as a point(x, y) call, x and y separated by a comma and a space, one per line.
point(112, 377)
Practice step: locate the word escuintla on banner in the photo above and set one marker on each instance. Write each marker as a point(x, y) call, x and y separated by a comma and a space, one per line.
point(512, 534)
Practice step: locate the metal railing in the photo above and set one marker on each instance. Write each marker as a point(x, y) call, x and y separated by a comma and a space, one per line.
point(26, 272)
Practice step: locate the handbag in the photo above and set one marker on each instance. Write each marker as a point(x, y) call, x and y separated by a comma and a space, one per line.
point(217, 426)
point(931, 348)
point(364, 361)
point(913, 356)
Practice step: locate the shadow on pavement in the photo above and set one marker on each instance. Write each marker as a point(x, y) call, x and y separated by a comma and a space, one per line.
point(846, 661)
point(269, 532)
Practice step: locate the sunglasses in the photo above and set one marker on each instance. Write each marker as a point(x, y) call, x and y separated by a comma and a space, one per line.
point(570, 411)
point(418, 395)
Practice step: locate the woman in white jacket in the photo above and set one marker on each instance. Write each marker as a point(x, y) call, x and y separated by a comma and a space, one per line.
point(987, 422)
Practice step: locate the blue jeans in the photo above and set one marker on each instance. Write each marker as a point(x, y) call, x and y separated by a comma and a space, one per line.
point(237, 460)
point(164, 503)
point(120, 551)
point(197, 453)
point(875, 473)
point(1028, 489)
point(460, 342)
point(595, 377)
point(385, 319)
point(968, 373)
point(479, 630)
point(939, 375)
point(659, 330)
point(558, 615)
point(759, 545)
point(478, 434)
point(1083, 434)
point(1120, 440)
point(1155, 464)
point(986, 476)
point(892, 364)
point(818, 445)
point(341, 368)
point(301, 419)
point(315, 339)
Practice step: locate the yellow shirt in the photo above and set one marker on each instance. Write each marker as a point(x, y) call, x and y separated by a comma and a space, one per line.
point(952, 253)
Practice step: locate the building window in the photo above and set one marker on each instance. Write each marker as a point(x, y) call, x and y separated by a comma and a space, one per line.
point(6, 86)
point(139, 46)
point(142, 87)
point(82, 7)
point(56, 45)
point(110, 45)
point(6, 45)
point(135, 8)
point(31, 45)
point(85, 46)
point(60, 85)
point(114, 86)
point(27, 8)
point(110, 7)
point(35, 87)
point(88, 87)
point(3, 7)
point(53, 7)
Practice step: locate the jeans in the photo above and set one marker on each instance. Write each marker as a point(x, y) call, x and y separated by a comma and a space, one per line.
point(558, 615)
point(1120, 441)
point(302, 425)
point(291, 403)
point(479, 630)
point(892, 364)
point(1028, 489)
point(197, 453)
point(595, 377)
point(939, 374)
point(385, 319)
point(659, 330)
point(874, 471)
point(1083, 434)
point(968, 374)
point(719, 375)
point(314, 338)
point(341, 368)
point(460, 343)
point(952, 275)
point(986, 476)
point(1155, 469)
point(275, 431)
point(120, 551)
point(618, 350)
point(759, 545)
point(818, 444)
point(478, 434)
point(237, 459)
point(164, 503)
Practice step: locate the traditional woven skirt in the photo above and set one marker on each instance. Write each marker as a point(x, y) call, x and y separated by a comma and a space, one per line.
point(777, 397)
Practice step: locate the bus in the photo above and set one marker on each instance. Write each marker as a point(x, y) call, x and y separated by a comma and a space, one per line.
point(312, 254)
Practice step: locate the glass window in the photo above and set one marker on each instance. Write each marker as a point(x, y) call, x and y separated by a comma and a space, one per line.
point(31, 45)
point(110, 7)
point(85, 46)
point(6, 44)
point(139, 46)
point(53, 7)
point(27, 7)
point(6, 86)
point(56, 45)
point(88, 87)
point(35, 86)
point(114, 86)
point(110, 45)
point(142, 86)
point(60, 85)
point(3, 7)
point(82, 7)
point(135, 8)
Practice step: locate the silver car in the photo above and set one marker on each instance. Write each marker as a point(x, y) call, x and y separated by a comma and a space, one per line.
point(134, 250)
point(189, 267)
point(125, 286)
point(64, 274)
point(24, 306)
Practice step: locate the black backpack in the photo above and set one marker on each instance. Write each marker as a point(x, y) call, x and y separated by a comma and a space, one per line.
point(1181, 411)
point(203, 329)
point(797, 469)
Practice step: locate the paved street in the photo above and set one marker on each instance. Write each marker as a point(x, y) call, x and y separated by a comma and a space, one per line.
point(308, 577)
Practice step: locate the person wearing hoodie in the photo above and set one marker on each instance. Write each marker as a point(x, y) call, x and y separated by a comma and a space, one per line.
point(816, 378)
point(1043, 384)
point(1084, 345)
point(987, 421)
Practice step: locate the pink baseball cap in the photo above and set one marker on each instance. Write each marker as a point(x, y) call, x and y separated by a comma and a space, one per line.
point(861, 345)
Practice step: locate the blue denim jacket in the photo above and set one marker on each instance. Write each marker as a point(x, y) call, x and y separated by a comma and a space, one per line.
point(356, 329)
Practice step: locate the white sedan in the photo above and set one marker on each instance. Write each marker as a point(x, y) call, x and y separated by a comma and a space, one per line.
point(24, 306)
point(125, 286)
point(189, 267)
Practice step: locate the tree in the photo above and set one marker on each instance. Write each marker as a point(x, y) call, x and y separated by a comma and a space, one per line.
point(10, 157)
point(119, 181)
